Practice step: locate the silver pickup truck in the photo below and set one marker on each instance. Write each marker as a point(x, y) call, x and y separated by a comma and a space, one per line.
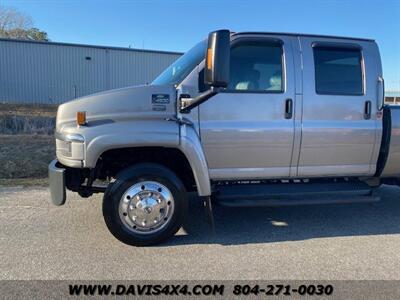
point(241, 119)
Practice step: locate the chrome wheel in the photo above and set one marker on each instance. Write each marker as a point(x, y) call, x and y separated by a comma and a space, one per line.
point(146, 207)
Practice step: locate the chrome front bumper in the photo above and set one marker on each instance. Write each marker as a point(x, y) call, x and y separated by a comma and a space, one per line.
point(57, 183)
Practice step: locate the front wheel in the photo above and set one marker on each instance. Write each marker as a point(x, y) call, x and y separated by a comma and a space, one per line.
point(145, 205)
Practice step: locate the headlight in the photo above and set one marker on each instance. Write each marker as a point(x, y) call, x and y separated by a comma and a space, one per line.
point(70, 145)
point(63, 148)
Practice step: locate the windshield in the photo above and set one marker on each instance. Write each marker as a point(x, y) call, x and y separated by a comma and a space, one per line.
point(181, 68)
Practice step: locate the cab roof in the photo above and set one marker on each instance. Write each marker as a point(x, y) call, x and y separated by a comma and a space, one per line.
point(303, 34)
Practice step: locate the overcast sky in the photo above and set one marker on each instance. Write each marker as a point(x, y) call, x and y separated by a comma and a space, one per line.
point(177, 25)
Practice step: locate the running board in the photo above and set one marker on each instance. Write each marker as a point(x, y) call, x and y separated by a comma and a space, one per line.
point(251, 195)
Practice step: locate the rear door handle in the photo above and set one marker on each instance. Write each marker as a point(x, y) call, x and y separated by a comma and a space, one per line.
point(288, 108)
point(367, 110)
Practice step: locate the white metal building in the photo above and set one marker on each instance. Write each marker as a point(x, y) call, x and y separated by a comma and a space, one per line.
point(51, 73)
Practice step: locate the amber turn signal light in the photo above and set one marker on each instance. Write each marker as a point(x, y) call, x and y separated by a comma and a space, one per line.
point(81, 118)
point(209, 59)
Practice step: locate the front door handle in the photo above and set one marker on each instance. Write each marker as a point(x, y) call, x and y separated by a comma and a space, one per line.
point(367, 110)
point(288, 108)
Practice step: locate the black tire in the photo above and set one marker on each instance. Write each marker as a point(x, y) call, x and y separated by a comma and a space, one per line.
point(124, 180)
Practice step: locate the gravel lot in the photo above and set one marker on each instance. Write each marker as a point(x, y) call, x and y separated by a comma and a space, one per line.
point(353, 241)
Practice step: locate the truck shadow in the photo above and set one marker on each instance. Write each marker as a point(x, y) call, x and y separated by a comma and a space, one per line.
point(235, 226)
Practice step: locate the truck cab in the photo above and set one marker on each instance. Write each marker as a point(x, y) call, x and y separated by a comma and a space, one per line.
point(241, 119)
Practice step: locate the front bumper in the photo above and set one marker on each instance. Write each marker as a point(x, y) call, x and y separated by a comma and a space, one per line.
point(57, 183)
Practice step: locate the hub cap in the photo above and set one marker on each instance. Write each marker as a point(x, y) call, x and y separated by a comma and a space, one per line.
point(146, 207)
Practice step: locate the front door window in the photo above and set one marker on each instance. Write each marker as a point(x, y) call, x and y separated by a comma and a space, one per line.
point(256, 66)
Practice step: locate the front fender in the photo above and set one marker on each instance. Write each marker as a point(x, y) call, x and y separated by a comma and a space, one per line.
point(156, 133)
point(190, 145)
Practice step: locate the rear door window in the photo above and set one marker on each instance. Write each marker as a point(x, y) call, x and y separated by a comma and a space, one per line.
point(338, 71)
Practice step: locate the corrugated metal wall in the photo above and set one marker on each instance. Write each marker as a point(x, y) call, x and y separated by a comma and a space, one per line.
point(50, 73)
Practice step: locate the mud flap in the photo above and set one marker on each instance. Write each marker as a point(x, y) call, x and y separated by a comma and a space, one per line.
point(209, 213)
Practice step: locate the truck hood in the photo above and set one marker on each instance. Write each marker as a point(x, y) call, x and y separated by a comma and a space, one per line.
point(144, 102)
